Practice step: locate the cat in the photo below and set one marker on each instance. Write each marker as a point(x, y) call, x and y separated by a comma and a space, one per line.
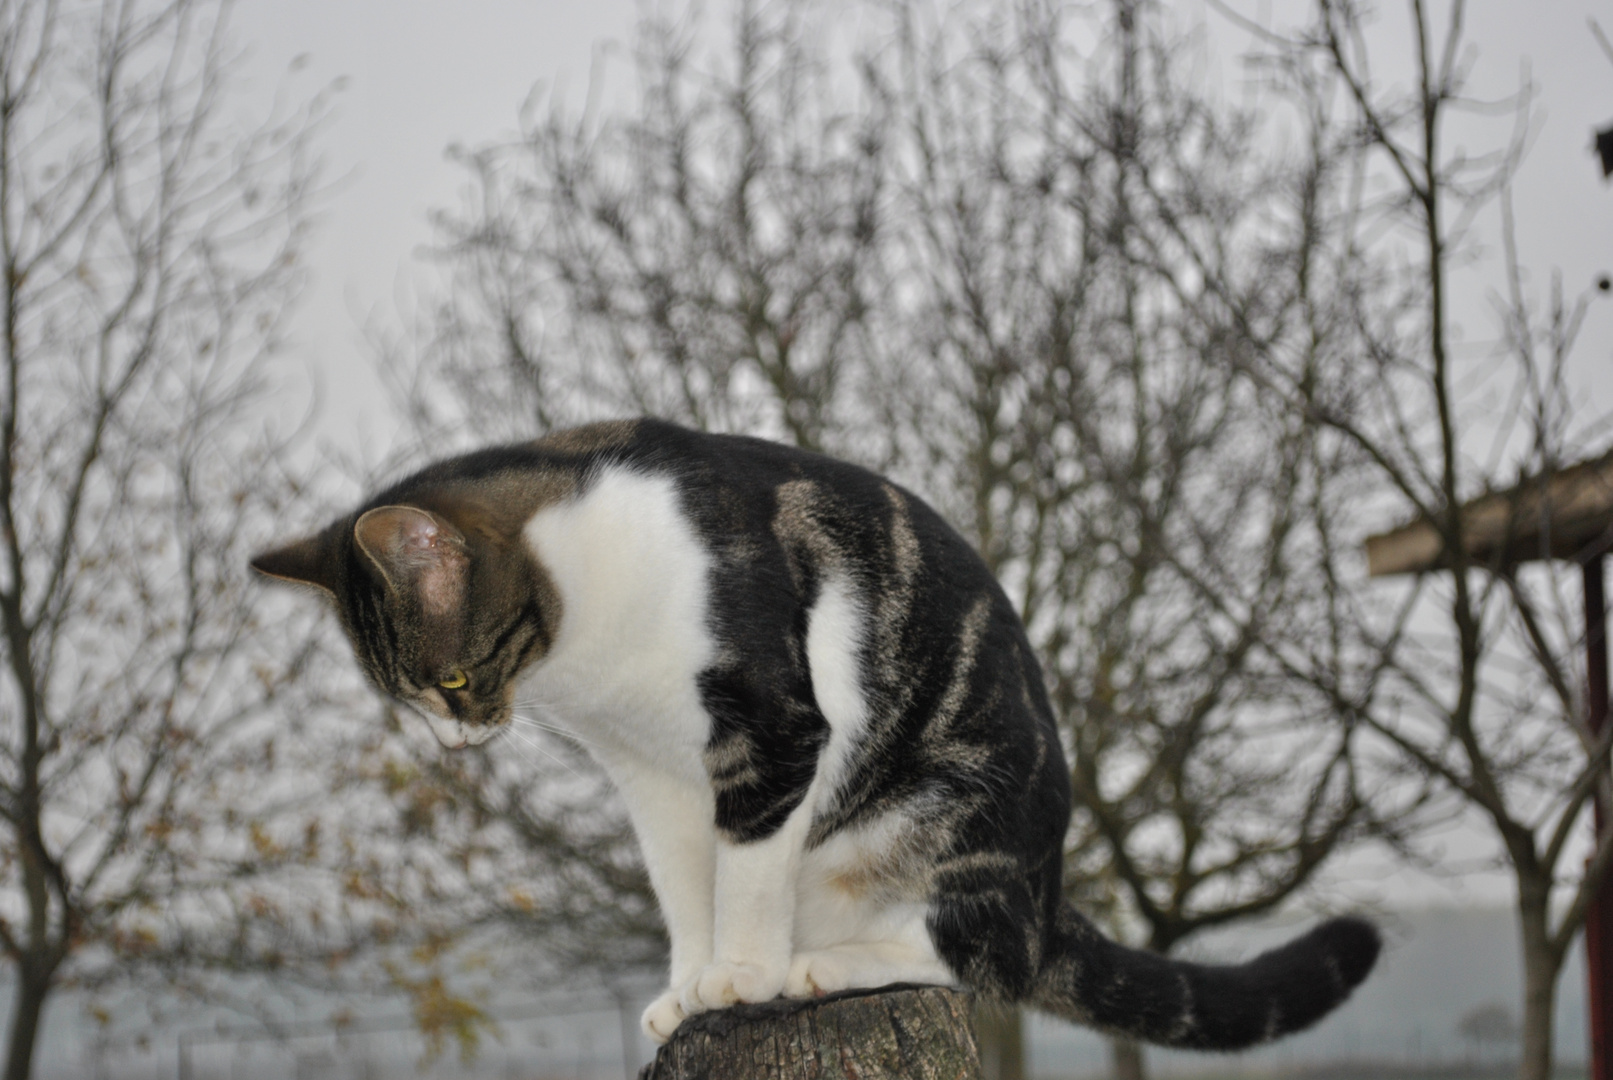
point(822, 712)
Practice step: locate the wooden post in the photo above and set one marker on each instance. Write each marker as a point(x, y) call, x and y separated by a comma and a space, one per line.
point(1599, 917)
point(897, 1033)
point(1566, 514)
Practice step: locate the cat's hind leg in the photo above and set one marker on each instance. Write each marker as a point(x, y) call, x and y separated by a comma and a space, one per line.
point(986, 922)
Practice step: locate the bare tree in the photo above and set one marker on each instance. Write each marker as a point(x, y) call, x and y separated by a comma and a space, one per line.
point(1487, 1027)
point(708, 258)
point(149, 703)
point(961, 271)
point(522, 838)
point(705, 259)
point(1480, 688)
point(1167, 532)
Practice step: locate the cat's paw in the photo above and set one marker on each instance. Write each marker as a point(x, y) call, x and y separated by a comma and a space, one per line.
point(663, 1016)
point(814, 974)
point(722, 984)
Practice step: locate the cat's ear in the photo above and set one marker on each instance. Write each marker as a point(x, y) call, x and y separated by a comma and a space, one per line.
point(305, 562)
point(417, 552)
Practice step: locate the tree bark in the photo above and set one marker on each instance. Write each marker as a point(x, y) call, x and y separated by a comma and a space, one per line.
point(912, 1033)
point(27, 1010)
point(1540, 971)
point(1000, 1036)
point(1126, 1055)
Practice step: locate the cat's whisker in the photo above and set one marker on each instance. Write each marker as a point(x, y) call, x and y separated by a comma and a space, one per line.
point(524, 748)
point(537, 707)
point(549, 707)
point(550, 701)
point(556, 758)
point(552, 729)
point(525, 754)
point(526, 757)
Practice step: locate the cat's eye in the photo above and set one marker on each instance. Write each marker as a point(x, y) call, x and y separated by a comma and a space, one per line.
point(454, 681)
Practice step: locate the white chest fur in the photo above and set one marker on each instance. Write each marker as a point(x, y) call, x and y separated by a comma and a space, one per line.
point(746, 920)
point(632, 578)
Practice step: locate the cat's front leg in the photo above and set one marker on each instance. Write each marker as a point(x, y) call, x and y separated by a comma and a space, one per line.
point(673, 820)
point(755, 919)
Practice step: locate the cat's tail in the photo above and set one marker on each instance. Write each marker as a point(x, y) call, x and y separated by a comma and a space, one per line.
point(1092, 980)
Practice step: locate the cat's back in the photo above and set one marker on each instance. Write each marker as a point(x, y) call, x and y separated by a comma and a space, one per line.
point(739, 491)
point(760, 526)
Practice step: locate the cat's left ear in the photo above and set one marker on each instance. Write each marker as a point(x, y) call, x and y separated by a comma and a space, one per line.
point(306, 562)
point(417, 552)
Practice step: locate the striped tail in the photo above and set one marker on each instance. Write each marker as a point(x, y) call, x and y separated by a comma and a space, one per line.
point(1093, 981)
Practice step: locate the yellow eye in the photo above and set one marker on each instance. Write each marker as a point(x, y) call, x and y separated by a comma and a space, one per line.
point(453, 681)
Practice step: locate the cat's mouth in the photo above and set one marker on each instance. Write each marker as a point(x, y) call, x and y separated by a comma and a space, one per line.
point(456, 734)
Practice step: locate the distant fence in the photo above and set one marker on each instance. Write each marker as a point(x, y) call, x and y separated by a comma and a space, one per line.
point(594, 1035)
point(588, 1035)
point(584, 1038)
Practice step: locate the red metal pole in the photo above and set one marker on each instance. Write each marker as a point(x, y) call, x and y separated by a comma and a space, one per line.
point(1599, 919)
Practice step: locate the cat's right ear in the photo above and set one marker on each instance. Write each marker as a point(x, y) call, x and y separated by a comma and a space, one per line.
point(304, 562)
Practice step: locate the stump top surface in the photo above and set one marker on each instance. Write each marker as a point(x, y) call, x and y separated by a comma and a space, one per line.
point(922, 1032)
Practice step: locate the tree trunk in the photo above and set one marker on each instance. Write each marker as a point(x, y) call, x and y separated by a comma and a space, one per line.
point(1539, 994)
point(918, 1033)
point(26, 1012)
point(1000, 1034)
point(1127, 1057)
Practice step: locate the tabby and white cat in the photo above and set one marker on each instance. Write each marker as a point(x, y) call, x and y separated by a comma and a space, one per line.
point(822, 713)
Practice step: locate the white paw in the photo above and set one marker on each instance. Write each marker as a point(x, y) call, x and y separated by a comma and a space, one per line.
point(718, 985)
point(662, 1018)
point(813, 974)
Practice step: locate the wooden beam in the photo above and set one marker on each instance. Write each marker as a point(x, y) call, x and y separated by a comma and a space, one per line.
point(1568, 515)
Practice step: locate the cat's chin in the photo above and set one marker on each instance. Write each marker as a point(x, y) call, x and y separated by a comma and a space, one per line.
point(480, 733)
point(456, 735)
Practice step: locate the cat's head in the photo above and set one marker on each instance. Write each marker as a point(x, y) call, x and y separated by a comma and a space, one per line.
point(443, 604)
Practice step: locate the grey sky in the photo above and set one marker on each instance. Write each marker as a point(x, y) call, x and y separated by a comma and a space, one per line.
point(419, 76)
point(422, 75)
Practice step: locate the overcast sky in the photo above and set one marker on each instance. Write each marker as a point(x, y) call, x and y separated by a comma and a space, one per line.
point(417, 76)
point(421, 75)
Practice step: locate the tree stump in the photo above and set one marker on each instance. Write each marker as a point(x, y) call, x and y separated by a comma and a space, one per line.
point(894, 1033)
